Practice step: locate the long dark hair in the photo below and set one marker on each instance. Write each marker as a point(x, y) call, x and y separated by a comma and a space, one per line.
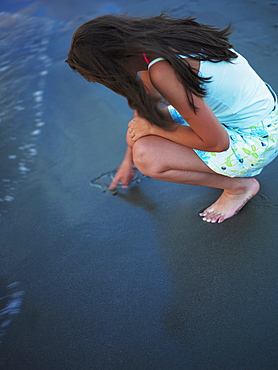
point(100, 46)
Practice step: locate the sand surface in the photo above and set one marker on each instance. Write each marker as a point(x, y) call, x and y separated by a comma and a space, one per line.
point(133, 281)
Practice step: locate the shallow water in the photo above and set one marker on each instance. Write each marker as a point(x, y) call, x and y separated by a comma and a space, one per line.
point(10, 303)
point(23, 66)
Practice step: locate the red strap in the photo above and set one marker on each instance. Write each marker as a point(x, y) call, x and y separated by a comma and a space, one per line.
point(146, 59)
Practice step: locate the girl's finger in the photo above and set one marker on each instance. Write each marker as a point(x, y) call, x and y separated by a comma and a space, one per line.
point(114, 182)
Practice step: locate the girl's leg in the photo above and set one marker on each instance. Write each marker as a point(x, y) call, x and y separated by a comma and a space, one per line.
point(165, 160)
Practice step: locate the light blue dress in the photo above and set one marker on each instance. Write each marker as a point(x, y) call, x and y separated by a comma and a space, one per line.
point(247, 109)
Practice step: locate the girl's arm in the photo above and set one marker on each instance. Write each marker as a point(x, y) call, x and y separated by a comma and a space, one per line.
point(125, 171)
point(204, 132)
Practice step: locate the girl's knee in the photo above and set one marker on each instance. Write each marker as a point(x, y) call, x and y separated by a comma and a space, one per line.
point(144, 156)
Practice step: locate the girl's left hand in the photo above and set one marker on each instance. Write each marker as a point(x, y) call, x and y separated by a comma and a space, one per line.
point(139, 127)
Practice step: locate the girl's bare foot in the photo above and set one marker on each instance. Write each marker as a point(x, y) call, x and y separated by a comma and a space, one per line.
point(231, 202)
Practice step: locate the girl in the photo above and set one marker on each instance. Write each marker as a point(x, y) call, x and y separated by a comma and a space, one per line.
point(220, 127)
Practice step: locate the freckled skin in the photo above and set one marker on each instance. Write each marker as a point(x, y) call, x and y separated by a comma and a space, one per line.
point(167, 161)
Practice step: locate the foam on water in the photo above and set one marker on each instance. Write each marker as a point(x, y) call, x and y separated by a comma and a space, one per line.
point(10, 303)
point(24, 65)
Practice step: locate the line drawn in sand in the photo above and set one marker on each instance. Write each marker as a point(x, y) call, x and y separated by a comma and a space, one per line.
point(103, 181)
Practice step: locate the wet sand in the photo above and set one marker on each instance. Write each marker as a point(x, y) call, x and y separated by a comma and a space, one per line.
point(136, 280)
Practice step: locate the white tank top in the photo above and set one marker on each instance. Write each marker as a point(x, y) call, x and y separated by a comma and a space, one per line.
point(236, 94)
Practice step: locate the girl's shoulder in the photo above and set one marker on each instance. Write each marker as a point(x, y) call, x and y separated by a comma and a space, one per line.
point(165, 80)
point(160, 67)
